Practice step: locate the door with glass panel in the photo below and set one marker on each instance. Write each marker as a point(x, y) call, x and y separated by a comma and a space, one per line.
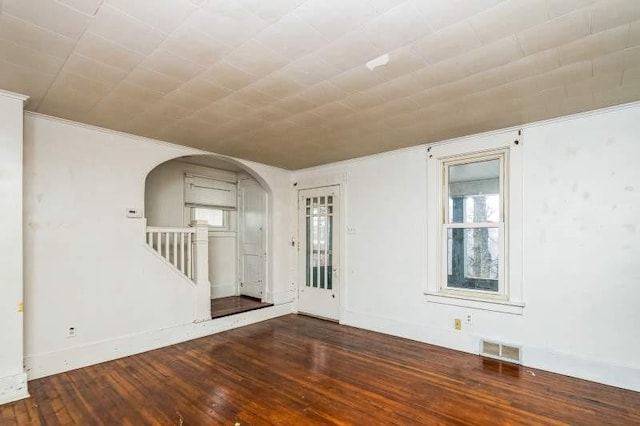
point(318, 288)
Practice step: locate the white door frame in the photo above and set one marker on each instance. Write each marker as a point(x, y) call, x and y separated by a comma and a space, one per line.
point(339, 180)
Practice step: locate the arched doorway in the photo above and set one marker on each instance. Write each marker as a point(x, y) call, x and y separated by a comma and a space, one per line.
point(230, 205)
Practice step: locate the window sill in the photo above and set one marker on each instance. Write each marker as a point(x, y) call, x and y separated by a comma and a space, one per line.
point(514, 308)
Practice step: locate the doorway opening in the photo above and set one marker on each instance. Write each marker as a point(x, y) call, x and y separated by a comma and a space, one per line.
point(230, 207)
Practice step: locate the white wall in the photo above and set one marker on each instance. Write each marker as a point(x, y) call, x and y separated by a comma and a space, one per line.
point(581, 250)
point(164, 206)
point(12, 378)
point(87, 265)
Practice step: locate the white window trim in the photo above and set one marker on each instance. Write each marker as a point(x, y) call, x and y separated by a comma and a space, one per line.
point(511, 299)
point(502, 226)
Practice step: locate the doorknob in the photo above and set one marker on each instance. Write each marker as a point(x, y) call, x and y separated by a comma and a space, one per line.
point(333, 295)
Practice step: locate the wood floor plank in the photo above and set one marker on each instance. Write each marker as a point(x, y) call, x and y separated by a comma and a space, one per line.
point(300, 370)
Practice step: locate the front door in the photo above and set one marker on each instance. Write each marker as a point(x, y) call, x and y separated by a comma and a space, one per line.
point(318, 227)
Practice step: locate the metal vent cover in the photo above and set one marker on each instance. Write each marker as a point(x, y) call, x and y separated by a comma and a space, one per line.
point(500, 351)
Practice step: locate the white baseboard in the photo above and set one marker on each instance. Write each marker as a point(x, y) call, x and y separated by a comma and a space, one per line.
point(46, 364)
point(418, 332)
point(594, 370)
point(13, 388)
point(223, 290)
point(621, 376)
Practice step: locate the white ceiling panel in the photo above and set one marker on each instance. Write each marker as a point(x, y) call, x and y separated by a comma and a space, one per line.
point(285, 82)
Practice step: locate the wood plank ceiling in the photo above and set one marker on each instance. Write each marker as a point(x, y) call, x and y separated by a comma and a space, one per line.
point(284, 82)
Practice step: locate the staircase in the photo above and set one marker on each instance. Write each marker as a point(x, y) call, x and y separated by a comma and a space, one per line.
point(186, 250)
point(175, 245)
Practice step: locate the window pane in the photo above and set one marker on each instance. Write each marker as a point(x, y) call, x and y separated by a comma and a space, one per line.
point(474, 192)
point(330, 253)
point(473, 258)
point(213, 217)
point(308, 259)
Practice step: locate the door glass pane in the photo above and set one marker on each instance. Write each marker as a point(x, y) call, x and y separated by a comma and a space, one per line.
point(330, 253)
point(474, 192)
point(472, 257)
point(308, 256)
point(314, 245)
point(319, 253)
point(322, 244)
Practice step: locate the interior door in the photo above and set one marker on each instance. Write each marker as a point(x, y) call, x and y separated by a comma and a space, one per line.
point(251, 238)
point(318, 228)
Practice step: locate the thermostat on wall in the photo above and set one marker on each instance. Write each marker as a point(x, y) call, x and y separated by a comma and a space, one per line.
point(134, 213)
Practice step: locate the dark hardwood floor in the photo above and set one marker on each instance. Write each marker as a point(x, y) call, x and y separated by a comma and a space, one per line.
point(297, 370)
point(224, 306)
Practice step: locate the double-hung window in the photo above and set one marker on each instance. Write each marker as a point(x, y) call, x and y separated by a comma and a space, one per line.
point(474, 223)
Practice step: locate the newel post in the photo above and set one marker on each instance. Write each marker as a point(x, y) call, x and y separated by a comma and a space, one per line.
point(203, 287)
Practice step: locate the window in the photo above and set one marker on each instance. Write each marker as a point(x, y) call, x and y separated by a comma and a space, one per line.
point(474, 223)
point(210, 200)
point(205, 191)
point(215, 218)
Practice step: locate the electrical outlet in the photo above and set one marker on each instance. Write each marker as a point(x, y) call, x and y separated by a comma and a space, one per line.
point(468, 319)
point(457, 324)
point(71, 332)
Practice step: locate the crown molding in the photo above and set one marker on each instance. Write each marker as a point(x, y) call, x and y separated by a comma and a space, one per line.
point(13, 95)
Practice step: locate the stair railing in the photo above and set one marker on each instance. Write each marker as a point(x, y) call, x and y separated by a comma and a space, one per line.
point(187, 250)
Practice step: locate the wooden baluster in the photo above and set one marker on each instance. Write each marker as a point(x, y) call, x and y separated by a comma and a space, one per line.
point(166, 246)
point(175, 249)
point(189, 262)
point(182, 252)
point(159, 242)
